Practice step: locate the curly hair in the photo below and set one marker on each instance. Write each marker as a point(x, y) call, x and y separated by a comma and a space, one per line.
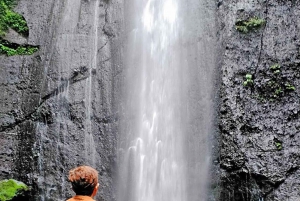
point(83, 179)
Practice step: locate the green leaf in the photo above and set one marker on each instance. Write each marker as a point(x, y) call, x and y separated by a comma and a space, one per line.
point(248, 76)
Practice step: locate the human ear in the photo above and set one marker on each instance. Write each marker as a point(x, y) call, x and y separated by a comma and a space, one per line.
point(95, 190)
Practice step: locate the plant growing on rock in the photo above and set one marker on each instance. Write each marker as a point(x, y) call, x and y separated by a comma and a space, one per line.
point(11, 188)
point(9, 18)
point(278, 91)
point(271, 85)
point(245, 26)
point(11, 49)
point(278, 144)
point(15, 21)
point(275, 68)
point(249, 80)
point(290, 87)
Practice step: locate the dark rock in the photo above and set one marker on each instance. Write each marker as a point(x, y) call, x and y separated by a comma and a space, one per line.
point(258, 123)
point(49, 99)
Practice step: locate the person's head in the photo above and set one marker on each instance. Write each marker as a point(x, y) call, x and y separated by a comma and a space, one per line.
point(84, 180)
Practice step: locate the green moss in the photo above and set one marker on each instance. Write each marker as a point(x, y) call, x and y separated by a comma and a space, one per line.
point(10, 189)
point(11, 49)
point(271, 85)
point(289, 87)
point(249, 80)
point(275, 67)
point(9, 18)
point(13, 20)
point(278, 145)
point(16, 22)
point(19, 51)
point(278, 92)
point(245, 26)
point(10, 3)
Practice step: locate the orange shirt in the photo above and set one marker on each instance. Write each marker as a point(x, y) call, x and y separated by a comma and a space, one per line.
point(81, 198)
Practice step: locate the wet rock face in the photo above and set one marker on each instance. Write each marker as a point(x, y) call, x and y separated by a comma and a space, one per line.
point(59, 106)
point(259, 114)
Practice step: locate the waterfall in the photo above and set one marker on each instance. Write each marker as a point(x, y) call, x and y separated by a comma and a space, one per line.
point(163, 155)
point(155, 148)
point(168, 108)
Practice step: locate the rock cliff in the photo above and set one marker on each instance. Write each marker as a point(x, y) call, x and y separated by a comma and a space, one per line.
point(57, 103)
point(259, 99)
point(60, 101)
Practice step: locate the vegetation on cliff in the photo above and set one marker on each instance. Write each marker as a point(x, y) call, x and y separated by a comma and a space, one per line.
point(15, 21)
point(11, 188)
point(11, 19)
point(245, 26)
point(11, 49)
point(271, 85)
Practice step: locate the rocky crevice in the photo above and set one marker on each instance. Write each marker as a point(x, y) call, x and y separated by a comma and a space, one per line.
point(262, 38)
point(42, 112)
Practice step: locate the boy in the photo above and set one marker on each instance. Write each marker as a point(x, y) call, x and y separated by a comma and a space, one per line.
point(84, 180)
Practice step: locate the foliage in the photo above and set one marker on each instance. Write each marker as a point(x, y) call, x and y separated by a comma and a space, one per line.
point(249, 80)
point(290, 87)
point(16, 22)
point(9, 18)
point(275, 67)
point(271, 85)
point(277, 85)
point(10, 3)
point(273, 89)
point(245, 26)
point(13, 20)
point(278, 145)
point(11, 49)
point(278, 91)
point(11, 188)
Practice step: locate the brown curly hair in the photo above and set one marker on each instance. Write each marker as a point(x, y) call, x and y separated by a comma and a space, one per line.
point(84, 179)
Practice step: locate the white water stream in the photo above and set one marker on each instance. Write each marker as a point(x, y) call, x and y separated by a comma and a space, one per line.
point(153, 166)
point(168, 109)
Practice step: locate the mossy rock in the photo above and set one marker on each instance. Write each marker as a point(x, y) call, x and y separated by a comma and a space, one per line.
point(245, 26)
point(11, 49)
point(9, 18)
point(12, 189)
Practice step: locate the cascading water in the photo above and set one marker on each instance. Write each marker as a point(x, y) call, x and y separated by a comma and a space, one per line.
point(155, 145)
point(168, 107)
point(89, 144)
point(161, 157)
